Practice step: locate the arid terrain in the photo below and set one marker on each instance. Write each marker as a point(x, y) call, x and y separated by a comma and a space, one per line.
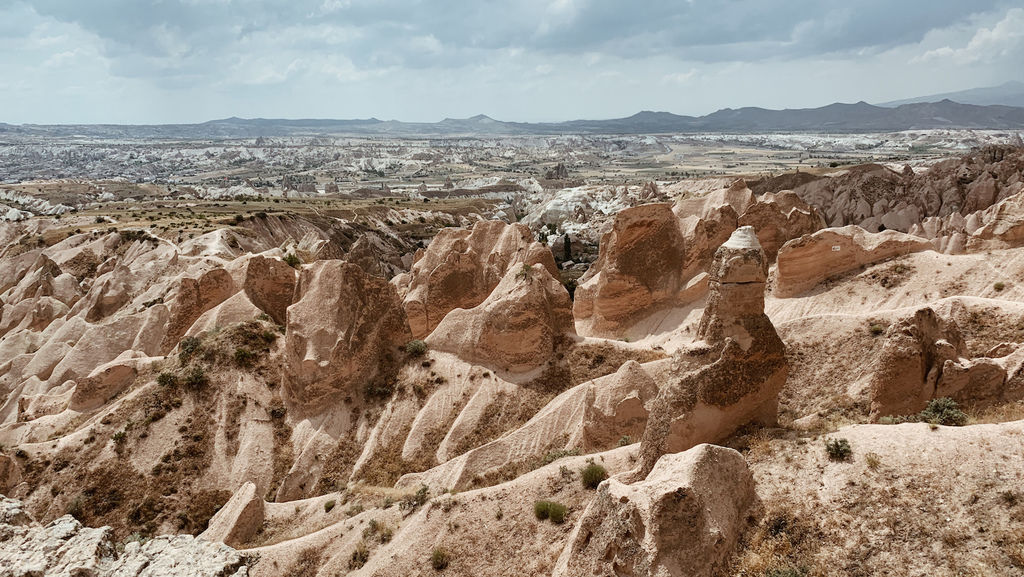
point(759, 355)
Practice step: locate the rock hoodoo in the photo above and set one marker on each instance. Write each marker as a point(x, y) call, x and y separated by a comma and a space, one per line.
point(517, 328)
point(740, 367)
point(638, 270)
point(461, 267)
point(685, 518)
point(924, 358)
point(343, 331)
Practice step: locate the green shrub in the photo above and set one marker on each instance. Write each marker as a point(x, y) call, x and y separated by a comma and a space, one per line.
point(328, 506)
point(439, 559)
point(999, 286)
point(244, 357)
point(167, 379)
point(291, 260)
point(838, 449)
point(943, 411)
point(360, 555)
point(786, 572)
point(196, 379)
point(625, 441)
point(877, 329)
point(188, 347)
point(556, 512)
point(415, 347)
point(415, 500)
point(592, 475)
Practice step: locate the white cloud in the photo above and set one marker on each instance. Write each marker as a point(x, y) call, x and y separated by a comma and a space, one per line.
point(1004, 39)
point(679, 77)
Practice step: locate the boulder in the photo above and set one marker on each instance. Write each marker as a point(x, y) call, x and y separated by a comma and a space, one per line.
point(517, 328)
point(270, 285)
point(683, 520)
point(734, 376)
point(343, 332)
point(239, 519)
point(806, 261)
point(461, 267)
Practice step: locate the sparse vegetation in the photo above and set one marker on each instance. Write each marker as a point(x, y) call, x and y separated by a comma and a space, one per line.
point(592, 475)
point(244, 357)
point(188, 347)
point(943, 411)
point(877, 329)
point(360, 555)
point(439, 559)
point(328, 505)
point(838, 449)
point(415, 348)
point(550, 510)
point(291, 260)
point(873, 461)
point(196, 379)
point(999, 286)
point(167, 379)
point(415, 500)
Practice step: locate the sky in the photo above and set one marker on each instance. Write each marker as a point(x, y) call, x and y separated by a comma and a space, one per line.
point(183, 61)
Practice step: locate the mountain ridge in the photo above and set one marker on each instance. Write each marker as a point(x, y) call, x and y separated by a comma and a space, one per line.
point(836, 117)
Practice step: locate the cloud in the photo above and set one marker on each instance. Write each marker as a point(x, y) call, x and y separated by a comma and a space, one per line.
point(535, 58)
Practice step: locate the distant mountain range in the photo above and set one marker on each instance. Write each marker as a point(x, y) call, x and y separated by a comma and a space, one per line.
point(840, 118)
point(1007, 94)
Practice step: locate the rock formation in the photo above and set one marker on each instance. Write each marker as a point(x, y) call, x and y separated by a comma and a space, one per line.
point(343, 331)
point(638, 270)
point(270, 285)
point(517, 328)
point(461, 267)
point(65, 547)
point(685, 518)
point(741, 368)
point(806, 261)
point(924, 357)
point(878, 198)
point(239, 520)
point(559, 172)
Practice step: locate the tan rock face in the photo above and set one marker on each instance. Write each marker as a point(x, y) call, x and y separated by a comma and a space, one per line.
point(684, 519)
point(517, 328)
point(639, 268)
point(193, 298)
point(239, 519)
point(343, 331)
point(461, 267)
point(270, 285)
point(923, 358)
point(740, 369)
point(907, 370)
point(102, 384)
point(806, 261)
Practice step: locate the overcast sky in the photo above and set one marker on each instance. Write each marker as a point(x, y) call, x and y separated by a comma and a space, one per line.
point(163, 61)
